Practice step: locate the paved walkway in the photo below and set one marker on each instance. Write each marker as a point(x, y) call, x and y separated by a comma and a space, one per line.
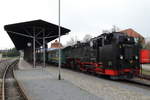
point(39, 84)
point(24, 65)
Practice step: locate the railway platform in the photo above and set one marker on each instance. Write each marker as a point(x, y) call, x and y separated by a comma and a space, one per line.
point(39, 84)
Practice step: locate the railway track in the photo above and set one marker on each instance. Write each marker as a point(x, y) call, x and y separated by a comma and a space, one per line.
point(137, 81)
point(143, 80)
point(140, 81)
point(10, 87)
point(146, 77)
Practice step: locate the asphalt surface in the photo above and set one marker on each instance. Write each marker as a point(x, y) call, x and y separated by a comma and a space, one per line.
point(42, 84)
point(39, 84)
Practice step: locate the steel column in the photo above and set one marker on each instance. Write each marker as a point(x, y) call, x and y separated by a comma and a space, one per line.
point(59, 66)
point(43, 52)
point(34, 59)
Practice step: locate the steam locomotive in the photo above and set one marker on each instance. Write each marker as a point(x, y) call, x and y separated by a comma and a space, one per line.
point(114, 54)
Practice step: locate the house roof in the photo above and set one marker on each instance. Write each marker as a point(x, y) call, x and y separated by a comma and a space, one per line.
point(131, 32)
point(56, 44)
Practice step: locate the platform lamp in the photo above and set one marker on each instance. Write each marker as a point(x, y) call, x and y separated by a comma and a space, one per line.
point(29, 44)
point(59, 32)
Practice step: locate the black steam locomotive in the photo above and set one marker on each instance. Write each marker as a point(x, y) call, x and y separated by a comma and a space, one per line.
point(114, 54)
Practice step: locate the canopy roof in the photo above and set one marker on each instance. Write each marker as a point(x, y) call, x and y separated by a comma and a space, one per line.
point(22, 33)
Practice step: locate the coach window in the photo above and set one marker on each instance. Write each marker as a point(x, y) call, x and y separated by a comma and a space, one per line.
point(100, 42)
point(95, 44)
point(91, 43)
point(107, 41)
point(136, 40)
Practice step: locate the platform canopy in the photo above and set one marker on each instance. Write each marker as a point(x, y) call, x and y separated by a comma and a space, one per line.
point(22, 33)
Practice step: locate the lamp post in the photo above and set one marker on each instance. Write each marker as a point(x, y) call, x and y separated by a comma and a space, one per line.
point(44, 65)
point(59, 65)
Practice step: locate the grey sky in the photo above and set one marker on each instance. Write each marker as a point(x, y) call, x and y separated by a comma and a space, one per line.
point(81, 16)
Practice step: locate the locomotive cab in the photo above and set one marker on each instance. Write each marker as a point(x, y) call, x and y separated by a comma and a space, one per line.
point(119, 55)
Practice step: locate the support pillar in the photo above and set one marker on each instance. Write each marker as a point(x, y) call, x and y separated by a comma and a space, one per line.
point(43, 52)
point(34, 59)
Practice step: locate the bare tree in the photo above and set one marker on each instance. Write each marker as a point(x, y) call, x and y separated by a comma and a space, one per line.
point(115, 28)
point(87, 38)
point(72, 41)
point(147, 45)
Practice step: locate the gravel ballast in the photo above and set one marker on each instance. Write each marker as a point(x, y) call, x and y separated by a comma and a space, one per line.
point(103, 88)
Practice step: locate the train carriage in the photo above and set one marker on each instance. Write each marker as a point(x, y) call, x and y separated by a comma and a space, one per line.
point(144, 56)
point(53, 56)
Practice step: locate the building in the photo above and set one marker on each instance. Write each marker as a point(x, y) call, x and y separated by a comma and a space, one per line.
point(56, 44)
point(136, 35)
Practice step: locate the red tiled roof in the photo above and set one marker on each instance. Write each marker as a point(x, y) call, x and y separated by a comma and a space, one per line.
point(56, 44)
point(131, 32)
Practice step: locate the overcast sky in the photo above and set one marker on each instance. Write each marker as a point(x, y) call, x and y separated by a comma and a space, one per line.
point(81, 16)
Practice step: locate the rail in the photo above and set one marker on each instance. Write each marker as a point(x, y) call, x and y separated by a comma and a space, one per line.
point(147, 77)
point(3, 81)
